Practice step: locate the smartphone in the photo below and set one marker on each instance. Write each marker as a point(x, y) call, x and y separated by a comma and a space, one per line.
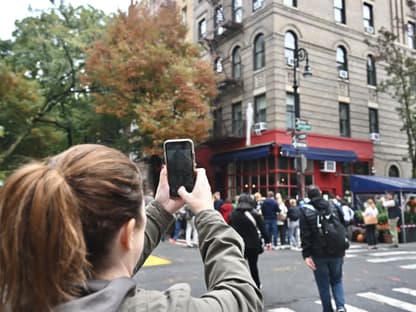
point(180, 162)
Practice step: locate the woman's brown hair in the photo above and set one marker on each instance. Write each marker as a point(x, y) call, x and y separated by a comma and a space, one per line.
point(57, 222)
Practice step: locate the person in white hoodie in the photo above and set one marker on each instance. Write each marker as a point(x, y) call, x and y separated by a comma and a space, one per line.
point(74, 231)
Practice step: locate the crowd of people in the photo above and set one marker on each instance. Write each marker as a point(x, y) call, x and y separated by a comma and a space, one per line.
point(75, 229)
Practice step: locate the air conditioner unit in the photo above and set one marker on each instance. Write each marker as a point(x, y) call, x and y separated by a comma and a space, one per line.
point(328, 166)
point(374, 136)
point(343, 74)
point(369, 29)
point(290, 62)
point(260, 126)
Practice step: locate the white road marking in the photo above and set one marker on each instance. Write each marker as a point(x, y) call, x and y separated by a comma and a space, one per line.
point(381, 260)
point(349, 308)
point(281, 310)
point(409, 266)
point(392, 253)
point(398, 304)
point(406, 291)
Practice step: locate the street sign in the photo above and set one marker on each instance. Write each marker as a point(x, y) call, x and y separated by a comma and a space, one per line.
point(300, 144)
point(304, 127)
point(301, 136)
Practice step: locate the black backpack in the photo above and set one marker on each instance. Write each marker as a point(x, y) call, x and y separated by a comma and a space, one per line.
point(331, 230)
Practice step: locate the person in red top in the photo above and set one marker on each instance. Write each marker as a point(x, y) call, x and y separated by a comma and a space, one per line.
point(226, 210)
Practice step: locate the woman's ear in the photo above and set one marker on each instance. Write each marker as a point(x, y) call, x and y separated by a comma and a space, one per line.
point(127, 234)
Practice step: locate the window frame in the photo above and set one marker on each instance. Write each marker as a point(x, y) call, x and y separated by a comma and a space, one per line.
point(219, 12)
point(290, 110)
point(290, 3)
point(342, 64)
point(373, 124)
point(411, 38)
point(237, 118)
point(260, 113)
point(259, 52)
point(368, 20)
point(201, 22)
point(236, 63)
point(238, 11)
point(371, 71)
point(290, 45)
point(341, 11)
point(344, 123)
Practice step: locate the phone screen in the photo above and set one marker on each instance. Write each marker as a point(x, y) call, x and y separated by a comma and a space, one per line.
point(179, 159)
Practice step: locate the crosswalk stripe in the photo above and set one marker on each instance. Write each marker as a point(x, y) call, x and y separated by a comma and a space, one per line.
point(392, 253)
point(389, 301)
point(349, 308)
point(409, 266)
point(350, 256)
point(281, 310)
point(406, 291)
point(381, 260)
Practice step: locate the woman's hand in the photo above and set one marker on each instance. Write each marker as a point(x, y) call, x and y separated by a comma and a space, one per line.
point(171, 205)
point(201, 197)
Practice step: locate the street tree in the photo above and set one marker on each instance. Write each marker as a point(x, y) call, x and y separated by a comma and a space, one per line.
point(49, 48)
point(400, 67)
point(144, 71)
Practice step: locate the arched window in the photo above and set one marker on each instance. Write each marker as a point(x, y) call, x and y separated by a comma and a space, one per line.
point(238, 11)
point(342, 62)
point(236, 56)
point(291, 43)
point(371, 71)
point(259, 52)
point(394, 171)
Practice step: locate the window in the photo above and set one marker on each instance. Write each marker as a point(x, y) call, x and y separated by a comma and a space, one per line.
point(236, 61)
point(373, 120)
point(290, 111)
point(257, 4)
point(344, 120)
point(291, 3)
point(218, 20)
point(290, 47)
point(259, 52)
point(202, 29)
point(218, 65)
point(339, 11)
point(237, 122)
point(394, 171)
point(368, 18)
point(238, 11)
point(371, 71)
point(260, 108)
point(184, 15)
point(411, 40)
point(342, 62)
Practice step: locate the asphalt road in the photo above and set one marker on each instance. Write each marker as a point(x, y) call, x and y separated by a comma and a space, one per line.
point(374, 280)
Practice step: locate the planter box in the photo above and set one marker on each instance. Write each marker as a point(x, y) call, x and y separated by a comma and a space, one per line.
point(410, 233)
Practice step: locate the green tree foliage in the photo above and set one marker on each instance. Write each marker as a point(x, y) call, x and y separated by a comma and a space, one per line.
point(49, 49)
point(400, 67)
point(142, 69)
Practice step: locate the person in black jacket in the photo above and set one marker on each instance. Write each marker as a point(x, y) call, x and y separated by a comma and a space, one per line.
point(247, 222)
point(325, 262)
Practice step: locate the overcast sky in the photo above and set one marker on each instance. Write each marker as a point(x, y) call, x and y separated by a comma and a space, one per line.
point(10, 11)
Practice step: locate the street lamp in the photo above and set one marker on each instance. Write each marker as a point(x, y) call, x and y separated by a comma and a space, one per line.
point(299, 56)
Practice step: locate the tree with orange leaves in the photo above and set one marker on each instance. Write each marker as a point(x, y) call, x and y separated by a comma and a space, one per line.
point(143, 70)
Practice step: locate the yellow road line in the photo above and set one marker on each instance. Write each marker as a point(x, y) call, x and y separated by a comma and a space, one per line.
point(154, 261)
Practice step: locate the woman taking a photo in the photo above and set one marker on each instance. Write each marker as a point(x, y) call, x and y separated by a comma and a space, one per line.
point(74, 230)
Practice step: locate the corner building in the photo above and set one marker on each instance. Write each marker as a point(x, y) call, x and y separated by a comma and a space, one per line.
point(255, 49)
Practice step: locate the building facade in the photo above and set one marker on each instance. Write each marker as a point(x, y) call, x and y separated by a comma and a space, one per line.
point(257, 48)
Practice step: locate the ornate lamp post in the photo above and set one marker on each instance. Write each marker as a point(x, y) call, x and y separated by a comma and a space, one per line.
point(299, 55)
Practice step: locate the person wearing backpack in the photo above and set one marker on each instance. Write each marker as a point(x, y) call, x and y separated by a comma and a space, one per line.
point(324, 242)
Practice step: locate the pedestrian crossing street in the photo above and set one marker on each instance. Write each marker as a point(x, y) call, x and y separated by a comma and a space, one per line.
point(402, 259)
point(398, 305)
